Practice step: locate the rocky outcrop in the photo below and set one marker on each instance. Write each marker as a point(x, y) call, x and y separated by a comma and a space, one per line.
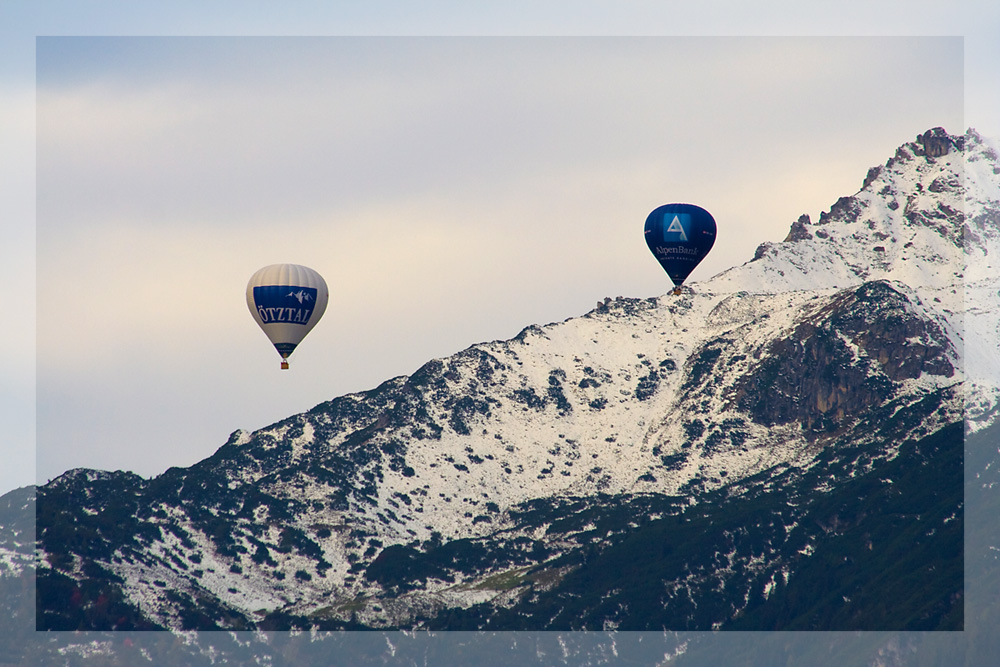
point(935, 142)
point(872, 174)
point(843, 361)
point(846, 208)
point(799, 230)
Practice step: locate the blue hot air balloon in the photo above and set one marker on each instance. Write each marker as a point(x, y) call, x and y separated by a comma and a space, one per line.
point(286, 301)
point(679, 236)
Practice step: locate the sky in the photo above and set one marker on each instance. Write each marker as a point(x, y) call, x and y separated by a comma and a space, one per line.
point(455, 173)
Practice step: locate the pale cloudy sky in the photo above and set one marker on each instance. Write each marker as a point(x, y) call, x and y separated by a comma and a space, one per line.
point(451, 189)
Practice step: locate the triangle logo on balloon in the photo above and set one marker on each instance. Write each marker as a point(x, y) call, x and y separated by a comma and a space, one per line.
point(676, 227)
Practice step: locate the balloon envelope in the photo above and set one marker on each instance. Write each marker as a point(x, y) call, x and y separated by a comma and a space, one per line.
point(679, 236)
point(286, 301)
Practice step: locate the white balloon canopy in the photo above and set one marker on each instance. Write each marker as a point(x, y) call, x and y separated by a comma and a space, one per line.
point(286, 301)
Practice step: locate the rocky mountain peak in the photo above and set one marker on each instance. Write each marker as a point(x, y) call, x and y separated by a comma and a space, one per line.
point(936, 142)
point(914, 219)
point(799, 231)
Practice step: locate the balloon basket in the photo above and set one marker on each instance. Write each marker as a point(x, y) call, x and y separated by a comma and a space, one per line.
point(284, 365)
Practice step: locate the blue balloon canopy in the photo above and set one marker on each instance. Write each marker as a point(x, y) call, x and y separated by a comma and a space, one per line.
point(679, 236)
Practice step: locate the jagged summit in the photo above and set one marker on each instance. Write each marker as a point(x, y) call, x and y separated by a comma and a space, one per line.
point(912, 220)
point(478, 487)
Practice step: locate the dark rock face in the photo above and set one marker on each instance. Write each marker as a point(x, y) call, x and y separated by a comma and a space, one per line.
point(936, 142)
point(846, 208)
point(798, 231)
point(815, 377)
point(872, 174)
point(761, 251)
point(879, 320)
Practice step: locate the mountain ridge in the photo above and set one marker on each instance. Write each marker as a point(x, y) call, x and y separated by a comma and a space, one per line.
point(476, 485)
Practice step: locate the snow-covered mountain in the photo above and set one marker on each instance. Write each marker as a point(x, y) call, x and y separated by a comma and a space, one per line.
point(928, 218)
point(741, 432)
point(15, 536)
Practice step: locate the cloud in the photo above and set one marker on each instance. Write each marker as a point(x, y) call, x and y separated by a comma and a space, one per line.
point(349, 120)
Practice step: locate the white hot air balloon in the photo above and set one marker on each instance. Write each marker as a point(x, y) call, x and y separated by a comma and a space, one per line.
point(286, 301)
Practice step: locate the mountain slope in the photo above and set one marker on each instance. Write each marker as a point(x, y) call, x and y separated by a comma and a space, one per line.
point(741, 437)
point(17, 583)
